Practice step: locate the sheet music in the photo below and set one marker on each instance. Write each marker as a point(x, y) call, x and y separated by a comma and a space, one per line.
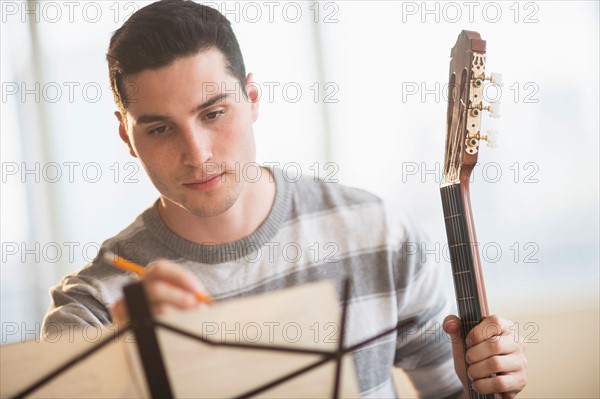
point(105, 374)
point(306, 317)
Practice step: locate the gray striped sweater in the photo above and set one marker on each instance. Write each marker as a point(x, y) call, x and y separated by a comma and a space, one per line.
point(314, 231)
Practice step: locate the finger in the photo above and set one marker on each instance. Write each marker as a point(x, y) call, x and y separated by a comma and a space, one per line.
point(119, 314)
point(504, 383)
point(495, 346)
point(162, 292)
point(490, 327)
point(162, 308)
point(497, 365)
point(452, 327)
point(174, 274)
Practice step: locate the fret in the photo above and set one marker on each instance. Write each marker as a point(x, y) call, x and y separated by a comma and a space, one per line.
point(452, 216)
point(463, 267)
point(461, 257)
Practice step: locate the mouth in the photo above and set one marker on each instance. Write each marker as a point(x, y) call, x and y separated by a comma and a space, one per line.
point(203, 184)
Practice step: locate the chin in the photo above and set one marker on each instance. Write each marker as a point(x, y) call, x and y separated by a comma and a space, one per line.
point(216, 207)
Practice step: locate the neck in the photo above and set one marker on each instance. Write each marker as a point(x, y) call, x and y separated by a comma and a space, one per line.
point(249, 211)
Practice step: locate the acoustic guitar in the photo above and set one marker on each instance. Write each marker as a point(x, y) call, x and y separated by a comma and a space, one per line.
point(463, 138)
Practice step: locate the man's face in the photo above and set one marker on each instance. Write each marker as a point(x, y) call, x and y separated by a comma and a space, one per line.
point(191, 128)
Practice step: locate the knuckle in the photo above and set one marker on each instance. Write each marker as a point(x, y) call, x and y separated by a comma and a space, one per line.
point(470, 373)
point(158, 267)
point(496, 364)
point(524, 362)
point(500, 384)
point(150, 290)
point(154, 289)
point(495, 345)
point(491, 331)
point(470, 337)
point(522, 381)
point(469, 356)
point(478, 386)
point(192, 301)
point(185, 299)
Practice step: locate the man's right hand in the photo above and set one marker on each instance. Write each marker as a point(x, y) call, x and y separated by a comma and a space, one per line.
point(168, 287)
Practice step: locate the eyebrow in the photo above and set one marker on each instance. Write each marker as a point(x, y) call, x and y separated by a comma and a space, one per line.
point(159, 118)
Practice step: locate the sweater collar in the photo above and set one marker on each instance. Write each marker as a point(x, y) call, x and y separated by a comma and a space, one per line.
point(231, 251)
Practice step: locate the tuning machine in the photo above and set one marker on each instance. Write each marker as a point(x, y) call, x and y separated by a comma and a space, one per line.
point(495, 78)
point(491, 138)
point(472, 142)
point(493, 109)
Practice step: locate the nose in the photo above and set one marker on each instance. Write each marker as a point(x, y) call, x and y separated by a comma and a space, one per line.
point(197, 147)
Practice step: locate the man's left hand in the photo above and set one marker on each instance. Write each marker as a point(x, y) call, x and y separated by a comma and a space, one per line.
point(495, 356)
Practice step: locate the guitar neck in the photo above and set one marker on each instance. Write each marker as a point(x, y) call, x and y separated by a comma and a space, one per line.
point(463, 136)
point(466, 266)
point(464, 257)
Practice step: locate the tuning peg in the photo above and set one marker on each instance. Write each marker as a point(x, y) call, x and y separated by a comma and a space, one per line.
point(494, 109)
point(497, 79)
point(491, 138)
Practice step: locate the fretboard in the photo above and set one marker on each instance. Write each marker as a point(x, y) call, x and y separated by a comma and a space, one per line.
point(465, 270)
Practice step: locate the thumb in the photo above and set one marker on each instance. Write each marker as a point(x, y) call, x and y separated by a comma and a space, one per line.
point(452, 327)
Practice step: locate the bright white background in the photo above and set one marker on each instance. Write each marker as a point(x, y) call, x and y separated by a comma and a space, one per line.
point(383, 65)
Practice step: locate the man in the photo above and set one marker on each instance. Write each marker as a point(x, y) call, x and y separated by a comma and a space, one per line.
point(186, 110)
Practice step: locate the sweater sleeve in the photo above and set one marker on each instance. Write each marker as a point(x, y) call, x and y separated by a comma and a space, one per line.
point(423, 350)
point(84, 298)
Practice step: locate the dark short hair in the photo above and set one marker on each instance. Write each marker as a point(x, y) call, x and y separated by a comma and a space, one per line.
point(162, 32)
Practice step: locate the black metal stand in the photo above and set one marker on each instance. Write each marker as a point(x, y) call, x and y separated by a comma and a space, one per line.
point(144, 327)
point(147, 343)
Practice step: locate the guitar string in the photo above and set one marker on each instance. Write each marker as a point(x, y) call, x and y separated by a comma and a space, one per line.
point(467, 302)
point(457, 102)
point(461, 251)
point(461, 258)
point(468, 307)
point(473, 312)
point(451, 108)
point(463, 254)
point(457, 201)
point(474, 309)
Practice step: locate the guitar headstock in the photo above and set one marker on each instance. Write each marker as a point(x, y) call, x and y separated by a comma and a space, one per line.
point(465, 106)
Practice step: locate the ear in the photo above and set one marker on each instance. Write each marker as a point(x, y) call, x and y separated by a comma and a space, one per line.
point(253, 95)
point(123, 133)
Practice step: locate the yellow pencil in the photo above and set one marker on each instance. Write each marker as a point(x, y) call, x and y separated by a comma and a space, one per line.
point(140, 270)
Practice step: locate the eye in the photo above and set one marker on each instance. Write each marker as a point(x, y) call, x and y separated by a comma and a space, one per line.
point(211, 116)
point(158, 130)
